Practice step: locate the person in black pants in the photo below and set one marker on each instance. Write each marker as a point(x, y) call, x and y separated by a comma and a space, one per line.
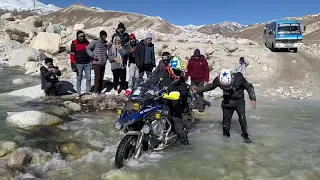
point(49, 75)
point(117, 56)
point(233, 85)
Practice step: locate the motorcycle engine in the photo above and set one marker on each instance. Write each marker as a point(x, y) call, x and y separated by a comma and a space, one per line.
point(158, 126)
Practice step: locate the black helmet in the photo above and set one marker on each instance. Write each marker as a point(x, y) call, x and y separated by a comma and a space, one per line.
point(166, 57)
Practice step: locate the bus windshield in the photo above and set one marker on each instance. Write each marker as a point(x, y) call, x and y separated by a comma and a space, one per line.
point(289, 29)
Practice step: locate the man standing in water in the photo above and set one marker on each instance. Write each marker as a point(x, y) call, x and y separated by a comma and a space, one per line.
point(233, 85)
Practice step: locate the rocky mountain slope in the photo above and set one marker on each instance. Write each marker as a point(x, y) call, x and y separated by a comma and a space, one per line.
point(25, 5)
point(91, 17)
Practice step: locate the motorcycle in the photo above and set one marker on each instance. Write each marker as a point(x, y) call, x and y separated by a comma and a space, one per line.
point(146, 123)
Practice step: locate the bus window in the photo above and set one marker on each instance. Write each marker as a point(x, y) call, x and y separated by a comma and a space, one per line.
point(289, 29)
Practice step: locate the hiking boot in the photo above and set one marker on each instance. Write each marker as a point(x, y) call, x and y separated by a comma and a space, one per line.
point(246, 138)
point(226, 133)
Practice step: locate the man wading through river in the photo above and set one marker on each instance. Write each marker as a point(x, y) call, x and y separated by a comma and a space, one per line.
point(233, 85)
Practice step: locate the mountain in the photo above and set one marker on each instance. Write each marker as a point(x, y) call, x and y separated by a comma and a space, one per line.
point(190, 28)
point(27, 5)
point(94, 17)
point(221, 28)
point(255, 32)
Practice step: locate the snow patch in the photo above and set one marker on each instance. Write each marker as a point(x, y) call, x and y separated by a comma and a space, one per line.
point(28, 5)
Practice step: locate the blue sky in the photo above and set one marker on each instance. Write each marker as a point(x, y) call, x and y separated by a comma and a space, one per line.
point(199, 12)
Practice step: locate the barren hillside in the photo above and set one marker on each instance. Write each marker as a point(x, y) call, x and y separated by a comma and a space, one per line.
point(311, 36)
point(94, 18)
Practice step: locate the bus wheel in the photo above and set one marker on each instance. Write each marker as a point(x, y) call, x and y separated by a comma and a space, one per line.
point(295, 50)
point(272, 48)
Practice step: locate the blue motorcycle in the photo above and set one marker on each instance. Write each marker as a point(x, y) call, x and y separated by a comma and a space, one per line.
point(146, 123)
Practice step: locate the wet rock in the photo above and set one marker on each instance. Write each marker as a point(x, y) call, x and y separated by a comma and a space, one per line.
point(18, 159)
point(31, 65)
point(5, 174)
point(19, 82)
point(118, 174)
point(92, 137)
point(70, 148)
point(59, 110)
point(72, 106)
point(8, 145)
point(3, 152)
point(27, 119)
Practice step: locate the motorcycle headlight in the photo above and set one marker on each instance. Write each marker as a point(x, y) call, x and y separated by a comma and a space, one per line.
point(117, 125)
point(146, 129)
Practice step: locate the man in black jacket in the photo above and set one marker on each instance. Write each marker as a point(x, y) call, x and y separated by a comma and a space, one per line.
point(233, 85)
point(121, 32)
point(49, 75)
point(145, 56)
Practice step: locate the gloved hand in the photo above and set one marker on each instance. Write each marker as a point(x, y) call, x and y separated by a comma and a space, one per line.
point(161, 92)
point(73, 67)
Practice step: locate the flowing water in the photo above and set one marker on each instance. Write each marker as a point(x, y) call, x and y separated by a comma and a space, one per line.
point(285, 135)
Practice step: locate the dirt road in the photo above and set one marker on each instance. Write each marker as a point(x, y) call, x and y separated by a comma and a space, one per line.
point(300, 70)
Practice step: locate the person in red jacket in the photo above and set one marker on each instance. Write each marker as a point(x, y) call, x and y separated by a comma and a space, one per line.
point(80, 61)
point(198, 70)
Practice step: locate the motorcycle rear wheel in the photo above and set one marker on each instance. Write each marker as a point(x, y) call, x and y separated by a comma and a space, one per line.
point(125, 150)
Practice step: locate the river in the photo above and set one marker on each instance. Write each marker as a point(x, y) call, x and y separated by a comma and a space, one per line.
point(285, 135)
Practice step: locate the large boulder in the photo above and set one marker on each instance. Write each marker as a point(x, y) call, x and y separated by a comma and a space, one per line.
point(6, 48)
point(36, 21)
point(54, 28)
point(24, 55)
point(31, 65)
point(48, 42)
point(27, 119)
point(8, 17)
point(78, 27)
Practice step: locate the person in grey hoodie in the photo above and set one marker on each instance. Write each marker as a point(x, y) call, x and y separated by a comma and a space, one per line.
point(241, 66)
point(98, 51)
point(117, 56)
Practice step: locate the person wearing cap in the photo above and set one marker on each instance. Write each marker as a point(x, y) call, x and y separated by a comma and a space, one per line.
point(145, 56)
point(241, 66)
point(98, 51)
point(198, 70)
point(121, 32)
point(133, 69)
point(80, 61)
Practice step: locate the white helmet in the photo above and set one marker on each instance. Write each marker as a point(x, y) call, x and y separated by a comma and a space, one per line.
point(226, 79)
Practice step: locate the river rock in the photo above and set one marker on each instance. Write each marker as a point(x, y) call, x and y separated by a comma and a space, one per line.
point(24, 55)
point(70, 148)
point(5, 174)
point(19, 82)
point(48, 42)
point(18, 159)
point(8, 145)
point(3, 152)
point(72, 106)
point(31, 65)
point(119, 174)
point(8, 17)
point(32, 71)
point(27, 119)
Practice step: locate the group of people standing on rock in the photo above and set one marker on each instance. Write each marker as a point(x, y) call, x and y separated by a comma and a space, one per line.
point(126, 51)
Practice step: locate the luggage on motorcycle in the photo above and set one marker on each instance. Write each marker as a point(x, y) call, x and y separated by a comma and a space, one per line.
point(173, 96)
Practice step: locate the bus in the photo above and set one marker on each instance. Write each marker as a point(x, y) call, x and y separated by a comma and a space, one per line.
point(283, 34)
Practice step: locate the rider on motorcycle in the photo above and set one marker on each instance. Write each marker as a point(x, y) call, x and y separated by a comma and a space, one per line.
point(169, 70)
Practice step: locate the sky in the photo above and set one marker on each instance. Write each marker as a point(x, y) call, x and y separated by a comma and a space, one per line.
point(200, 12)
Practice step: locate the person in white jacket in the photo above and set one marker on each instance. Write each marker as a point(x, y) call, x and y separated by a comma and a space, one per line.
point(241, 65)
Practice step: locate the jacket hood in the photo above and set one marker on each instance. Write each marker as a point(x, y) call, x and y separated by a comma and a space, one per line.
point(201, 57)
point(116, 38)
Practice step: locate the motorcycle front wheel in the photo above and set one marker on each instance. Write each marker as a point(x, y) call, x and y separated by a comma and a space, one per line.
point(125, 150)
